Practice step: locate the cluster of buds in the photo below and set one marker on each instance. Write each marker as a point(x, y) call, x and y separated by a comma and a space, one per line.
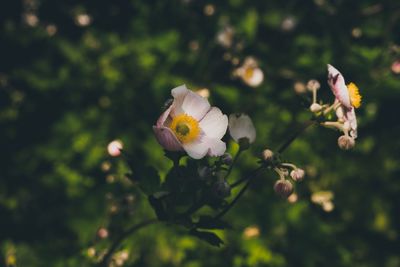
point(347, 99)
point(283, 186)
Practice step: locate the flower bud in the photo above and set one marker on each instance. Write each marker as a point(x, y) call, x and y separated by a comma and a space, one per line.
point(91, 252)
point(313, 85)
point(315, 107)
point(346, 142)
point(222, 189)
point(297, 174)
point(284, 188)
point(227, 159)
point(102, 233)
point(267, 155)
point(241, 127)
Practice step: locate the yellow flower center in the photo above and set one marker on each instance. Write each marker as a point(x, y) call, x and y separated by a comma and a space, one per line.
point(186, 128)
point(355, 97)
point(248, 73)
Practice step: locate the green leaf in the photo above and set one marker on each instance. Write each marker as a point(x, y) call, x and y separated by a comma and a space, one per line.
point(174, 156)
point(209, 222)
point(158, 206)
point(208, 237)
point(149, 180)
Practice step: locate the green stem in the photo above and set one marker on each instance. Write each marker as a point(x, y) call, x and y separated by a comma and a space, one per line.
point(254, 172)
point(281, 149)
point(107, 257)
point(300, 130)
point(241, 192)
point(233, 163)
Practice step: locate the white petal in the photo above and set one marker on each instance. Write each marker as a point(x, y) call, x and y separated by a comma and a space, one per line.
point(215, 147)
point(352, 120)
point(196, 150)
point(179, 93)
point(256, 79)
point(241, 126)
point(195, 105)
point(205, 146)
point(167, 139)
point(338, 86)
point(340, 113)
point(214, 123)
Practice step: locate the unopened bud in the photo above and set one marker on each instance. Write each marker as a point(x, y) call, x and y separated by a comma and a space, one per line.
point(91, 252)
point(297, 174)
point(315, 107)
point(346, 142)
point(284, 188)
point(204, 172)
point(227, 159)
point(313, 85)
point(102, 233)
point(267, 155)
point(222, 189)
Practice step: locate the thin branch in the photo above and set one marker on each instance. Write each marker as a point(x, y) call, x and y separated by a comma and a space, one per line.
point(233, 163)
point(241, 192)
point(301, 129)
point(238, 182)
point(282, 148)
point(107, 257)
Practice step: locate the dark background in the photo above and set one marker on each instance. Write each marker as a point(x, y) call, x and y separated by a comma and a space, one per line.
point(75, 75)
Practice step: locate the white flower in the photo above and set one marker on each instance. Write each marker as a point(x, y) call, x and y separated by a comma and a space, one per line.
point(241, 126)
point(250, 73)
point(192, 125)
point(348, 97)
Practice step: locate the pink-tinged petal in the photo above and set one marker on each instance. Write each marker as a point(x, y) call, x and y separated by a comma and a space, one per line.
point(214, 123)
point(179, 93)
point(161, 120)
point(167, 139)
point(195, 105)
point(352, 120)
point(196, 150)
point(215, 146)
point(338, 86)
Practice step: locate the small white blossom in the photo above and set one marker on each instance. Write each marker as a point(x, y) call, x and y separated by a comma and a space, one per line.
point(241, 126)
point(250, 73)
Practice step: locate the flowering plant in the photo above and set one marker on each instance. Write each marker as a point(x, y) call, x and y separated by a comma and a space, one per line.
point(193, 135)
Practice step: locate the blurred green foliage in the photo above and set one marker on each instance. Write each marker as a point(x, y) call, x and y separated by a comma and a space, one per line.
point(75, 75)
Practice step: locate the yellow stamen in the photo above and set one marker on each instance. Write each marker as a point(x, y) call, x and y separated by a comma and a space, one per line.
point(355, 97)
point(186, 128)
point(248, 73)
